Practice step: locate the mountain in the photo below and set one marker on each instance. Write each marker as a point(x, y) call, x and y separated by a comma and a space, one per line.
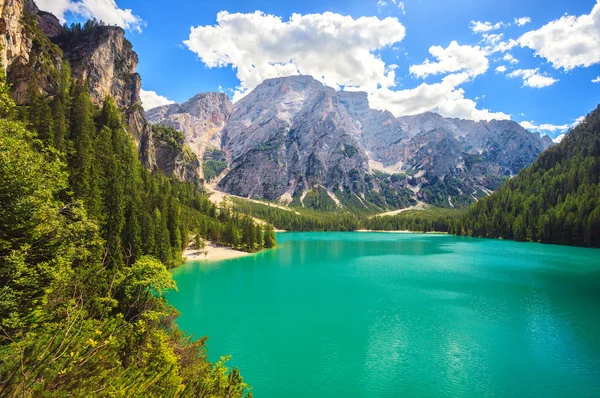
point(292, 137)
point(289, 135)
point(555, 200)
point(200, 119)
point(38, 54)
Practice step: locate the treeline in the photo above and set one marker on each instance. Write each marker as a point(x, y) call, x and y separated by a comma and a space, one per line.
point(236, 230)
point(433, 220)
point(555, 200)
point(298, 219)
point(86, 234)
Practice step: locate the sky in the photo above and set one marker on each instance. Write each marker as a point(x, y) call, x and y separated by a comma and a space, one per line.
point(533, 61)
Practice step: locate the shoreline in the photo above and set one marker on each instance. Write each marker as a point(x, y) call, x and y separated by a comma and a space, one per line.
point(404, 231)
point(212, 252)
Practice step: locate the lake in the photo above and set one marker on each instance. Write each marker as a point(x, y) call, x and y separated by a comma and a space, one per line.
point(388, 315)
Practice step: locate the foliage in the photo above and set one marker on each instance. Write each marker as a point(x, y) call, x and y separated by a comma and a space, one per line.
point(174, 138)
point(555, 200)
point(85, 236)
point(213, 168)
point(430, 220)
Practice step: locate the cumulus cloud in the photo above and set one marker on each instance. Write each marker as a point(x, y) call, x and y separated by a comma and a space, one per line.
point(559, 139)
point(341, 52)
point(509, 58)
point(445, 98)
point(552, 128)
point(454, 58)
point(522, 21)
point(103, 10)
point(337, 50)
point(568, 42)
point(501, 69)
point(533, 78)
point(481, 27)
point(150, 99)
point(596, 80)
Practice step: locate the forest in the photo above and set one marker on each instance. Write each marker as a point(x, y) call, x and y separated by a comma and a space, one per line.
point(77, 206)
point(555, 200)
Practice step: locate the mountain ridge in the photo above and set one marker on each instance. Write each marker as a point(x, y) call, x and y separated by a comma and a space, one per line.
point(292, 134)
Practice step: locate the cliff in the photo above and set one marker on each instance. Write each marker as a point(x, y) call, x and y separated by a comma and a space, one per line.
point(201, 120)
point(35, 48)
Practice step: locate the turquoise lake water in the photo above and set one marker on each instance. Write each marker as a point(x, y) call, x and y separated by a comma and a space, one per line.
point(395, 315)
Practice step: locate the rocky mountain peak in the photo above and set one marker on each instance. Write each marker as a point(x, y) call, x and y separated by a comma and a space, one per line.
point(291, 134)
point(200, 118)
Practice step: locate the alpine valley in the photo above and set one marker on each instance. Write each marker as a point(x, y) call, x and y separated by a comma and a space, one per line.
point(106, 208)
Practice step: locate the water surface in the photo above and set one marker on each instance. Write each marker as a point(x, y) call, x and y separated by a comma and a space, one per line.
point(390, 315)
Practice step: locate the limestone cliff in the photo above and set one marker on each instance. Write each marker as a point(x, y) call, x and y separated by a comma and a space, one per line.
point(292, 134)
point(201, 119)
point(34, 49)
point(28, 57)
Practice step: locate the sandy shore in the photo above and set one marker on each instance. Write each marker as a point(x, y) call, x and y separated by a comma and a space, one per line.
point(403, 232)
point(212, 252)
point(391, 232)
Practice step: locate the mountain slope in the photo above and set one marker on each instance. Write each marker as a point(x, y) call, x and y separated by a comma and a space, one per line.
point(293, 136)
point(289, 135)
point(200, 119)
point(555, 200)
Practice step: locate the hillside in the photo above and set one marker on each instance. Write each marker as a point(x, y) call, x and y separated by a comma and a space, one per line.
point(88, 228)
point(555, 200)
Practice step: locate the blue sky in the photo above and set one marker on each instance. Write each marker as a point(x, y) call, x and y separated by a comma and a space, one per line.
point(458, 58)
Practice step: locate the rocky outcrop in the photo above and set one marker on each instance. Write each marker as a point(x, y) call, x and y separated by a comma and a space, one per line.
point(102, 57)
point(292, 134)
point(34, 46)
point(28, 57)
point(289, 135)
point(201, 120)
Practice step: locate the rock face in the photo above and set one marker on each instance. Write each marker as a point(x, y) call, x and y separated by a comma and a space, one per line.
point(33, 47)
point(26, 54)
point(103, 58)
point(292, 134)
point(201, 119)
point(289, 135)
point(470, 156)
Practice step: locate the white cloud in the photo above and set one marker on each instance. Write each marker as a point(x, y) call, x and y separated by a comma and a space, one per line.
point(103, 10)
point(151, 100)
point(401, 6)
point(481, 27)
point(568, 42)
point(559, 139)
point(453, 58)
point(547, 128)
point(533, 78)
point(509, 58)
point(501, 69)
point(551, 128)
point(383, 3)
point(260, 46)
point(596, 80)
point(522, 21)
point(505, 46)
point(444, 97)
point(491, 39)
